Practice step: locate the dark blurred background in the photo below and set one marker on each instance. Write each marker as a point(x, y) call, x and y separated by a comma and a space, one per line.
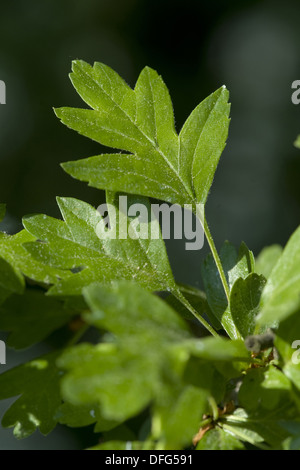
point(196, 45)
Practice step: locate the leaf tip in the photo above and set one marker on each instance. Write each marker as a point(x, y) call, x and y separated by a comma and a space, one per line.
point(58, 112)
point(60, 200)
point(297, 142)
point(65, 166)
point(77, 63)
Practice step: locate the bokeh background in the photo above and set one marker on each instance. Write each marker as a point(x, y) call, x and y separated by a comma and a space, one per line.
point(197, 46)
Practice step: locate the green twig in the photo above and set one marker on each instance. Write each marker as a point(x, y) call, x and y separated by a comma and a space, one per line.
point(217, 259)
point(214, 408)
point(78, 335)
point(179, 296)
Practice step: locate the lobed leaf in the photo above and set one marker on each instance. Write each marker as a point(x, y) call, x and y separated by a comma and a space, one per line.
point(148, 360)
point(106, 368)
point(74, 245)
point(161, 164)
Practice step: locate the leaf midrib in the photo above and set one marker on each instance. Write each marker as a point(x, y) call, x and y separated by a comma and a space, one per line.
point(198, 140)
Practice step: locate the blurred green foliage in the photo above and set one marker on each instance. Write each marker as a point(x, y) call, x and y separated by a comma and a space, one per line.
point(197, 45)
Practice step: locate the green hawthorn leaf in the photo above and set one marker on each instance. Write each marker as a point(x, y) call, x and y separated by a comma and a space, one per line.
point(218, 439)
point(245, 264)
point(202, 141)
point(235, 266)
point(264, 388)
point(129, 311)
point(243, 433)
point(267, 259)
point(143, 325)
point(217, 349)
point(126, 383)
point(142, 365)
point(74, 244)
point(244, 302)
point(84, 415)
point(202, 374)
point(240, 426)
point(77, 416)
point(128, 173)
point(32, 317)
point(155, 115)
point(134, 126)
point(176, 169)
point(106, 369)
point(102, 88)
point(38, 384)
point(141, 318)
point(258, 426)
point(2, 211)
point(179, 411)
point(176, 421)
point(280, 297)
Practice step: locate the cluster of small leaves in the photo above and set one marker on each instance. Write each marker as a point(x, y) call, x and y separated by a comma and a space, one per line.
point(152, 377)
